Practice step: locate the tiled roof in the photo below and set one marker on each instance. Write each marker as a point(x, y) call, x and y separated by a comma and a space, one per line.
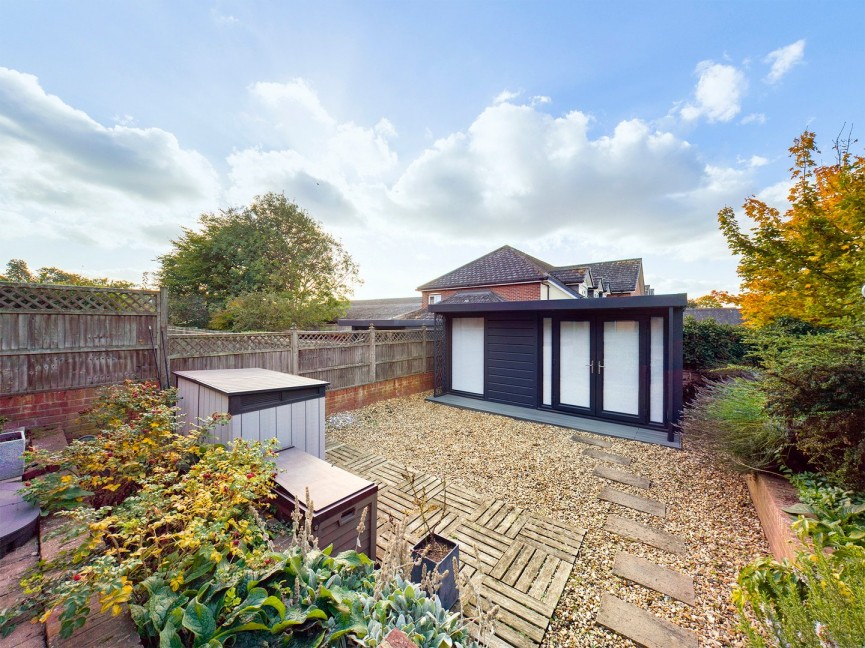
point(503, 266)
point(571, 274)
point(379, 309)
point(619, 276)
point(474, 297)
point(731, 316)
point(419, 314)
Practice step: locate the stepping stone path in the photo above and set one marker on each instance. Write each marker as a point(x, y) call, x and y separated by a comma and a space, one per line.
point(607, 456)
point(642, 504)
point(622, 476)
point(648, 574)
point(642, 627)
point(600, 443)
point(628, 620)
point(640, 532)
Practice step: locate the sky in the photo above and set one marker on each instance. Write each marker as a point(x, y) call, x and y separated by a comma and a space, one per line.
point(421, 134)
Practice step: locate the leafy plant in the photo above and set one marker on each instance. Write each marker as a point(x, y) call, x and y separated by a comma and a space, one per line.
point(709, 345)
point(732, 416)
point(816, 384)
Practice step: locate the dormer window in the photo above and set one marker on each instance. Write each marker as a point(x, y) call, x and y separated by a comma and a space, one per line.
point(434, 298)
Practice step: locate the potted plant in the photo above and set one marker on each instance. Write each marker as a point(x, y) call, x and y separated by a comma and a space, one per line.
point(435, 559)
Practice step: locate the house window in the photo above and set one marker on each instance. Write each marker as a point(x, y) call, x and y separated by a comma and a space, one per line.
point(434, 298)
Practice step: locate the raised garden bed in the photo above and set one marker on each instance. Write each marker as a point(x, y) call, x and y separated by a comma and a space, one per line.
point(771, 495)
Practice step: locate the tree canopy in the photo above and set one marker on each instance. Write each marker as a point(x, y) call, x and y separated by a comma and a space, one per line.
point(267, 266)
point(18, 270)
point(715, 299)
point(809, 262)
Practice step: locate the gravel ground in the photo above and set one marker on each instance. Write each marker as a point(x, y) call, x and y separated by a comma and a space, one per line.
point(539, 468)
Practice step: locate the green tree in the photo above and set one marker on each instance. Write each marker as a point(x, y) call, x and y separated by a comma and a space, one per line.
point(808, 263)
point(267, 266)
point(18, 270)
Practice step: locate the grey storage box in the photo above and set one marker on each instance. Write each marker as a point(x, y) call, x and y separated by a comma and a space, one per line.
point(263, 405)
point(12, 446)
point(338, 499)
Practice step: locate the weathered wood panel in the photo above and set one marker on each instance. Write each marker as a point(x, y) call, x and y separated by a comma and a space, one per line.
point(67, 337)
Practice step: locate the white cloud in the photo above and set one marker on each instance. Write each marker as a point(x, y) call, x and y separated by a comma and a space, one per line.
point(757, 161)
point(718, 95)
point(754, 118)
point(505, 96)
point(65, 175)
point(540, 99)
point(332, 168)
point(784, 59)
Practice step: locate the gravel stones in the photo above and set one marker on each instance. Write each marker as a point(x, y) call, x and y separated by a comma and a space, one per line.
point(539, 468)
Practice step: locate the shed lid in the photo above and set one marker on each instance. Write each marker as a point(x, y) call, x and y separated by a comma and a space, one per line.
point(248, 381)
point(327, 484)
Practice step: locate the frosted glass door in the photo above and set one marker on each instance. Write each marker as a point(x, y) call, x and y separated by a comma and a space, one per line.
point(575, 364)
point(621, 367)
point(467, 354)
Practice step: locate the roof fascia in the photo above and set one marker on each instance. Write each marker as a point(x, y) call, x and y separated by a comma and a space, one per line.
point(678, 300)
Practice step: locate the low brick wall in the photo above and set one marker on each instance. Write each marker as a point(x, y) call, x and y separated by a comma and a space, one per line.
point(341, 400)
point(48, 411)
point(770, 494)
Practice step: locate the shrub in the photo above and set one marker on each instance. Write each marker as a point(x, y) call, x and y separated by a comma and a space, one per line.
point(816, 384)
point(818, 599)
point(172, 527)
point(732, 417)
point(708, 345)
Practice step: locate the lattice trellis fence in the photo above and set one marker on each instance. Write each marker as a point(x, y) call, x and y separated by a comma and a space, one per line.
point(343, 358)
point(66, 337)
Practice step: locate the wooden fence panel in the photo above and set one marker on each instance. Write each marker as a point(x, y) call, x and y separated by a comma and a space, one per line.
point(68, 337)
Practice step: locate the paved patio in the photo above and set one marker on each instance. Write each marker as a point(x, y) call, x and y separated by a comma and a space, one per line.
point(524, 560)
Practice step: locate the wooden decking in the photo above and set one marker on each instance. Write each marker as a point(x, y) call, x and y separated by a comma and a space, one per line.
point(522, 560)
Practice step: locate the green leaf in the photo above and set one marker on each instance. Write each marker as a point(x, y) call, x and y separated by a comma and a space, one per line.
point(246, 627)
point(169, 638)
point(276, 604)
point(198, 619)
point(798, 509)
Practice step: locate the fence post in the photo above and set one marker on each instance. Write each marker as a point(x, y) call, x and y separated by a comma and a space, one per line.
point(371, 353)
point(161, 334)
point(423, 340)
point(295, 353)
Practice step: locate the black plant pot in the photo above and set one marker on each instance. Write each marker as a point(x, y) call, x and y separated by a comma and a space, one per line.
point(448, 593)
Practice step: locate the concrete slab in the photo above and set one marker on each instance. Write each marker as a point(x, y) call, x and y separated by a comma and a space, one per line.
point(642, 504)
point(648, 574)
point(627, 528)
point(622, 477)
point(642, 627)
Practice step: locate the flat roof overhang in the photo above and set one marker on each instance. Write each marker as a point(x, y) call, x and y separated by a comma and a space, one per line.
point(387, 323)
point(679, 300)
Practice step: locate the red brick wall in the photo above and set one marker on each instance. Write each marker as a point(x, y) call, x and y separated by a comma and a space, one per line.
point(511, 292)
point(340, 400)
point(49, 410)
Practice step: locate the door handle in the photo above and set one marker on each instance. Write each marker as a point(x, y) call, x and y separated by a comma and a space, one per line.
point(600, 366)
point(591, 366)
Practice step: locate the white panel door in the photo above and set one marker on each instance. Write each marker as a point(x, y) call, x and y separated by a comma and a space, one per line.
point(575, 364)
point(621, 367)
point(467, 354)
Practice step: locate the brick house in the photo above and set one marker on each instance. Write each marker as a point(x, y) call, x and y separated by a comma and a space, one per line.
point(507, 274)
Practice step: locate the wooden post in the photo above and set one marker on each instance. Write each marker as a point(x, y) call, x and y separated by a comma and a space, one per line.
point(371, 353)
point(295, 353)
point(423, 339)
point(162, 326)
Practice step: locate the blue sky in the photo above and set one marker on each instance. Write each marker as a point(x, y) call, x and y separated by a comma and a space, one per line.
point(422, 134)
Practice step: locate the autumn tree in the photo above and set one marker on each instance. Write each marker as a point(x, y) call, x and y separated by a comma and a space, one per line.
point(809, 262)
point(18, 270)
point(267, 266)
point(715, 299)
